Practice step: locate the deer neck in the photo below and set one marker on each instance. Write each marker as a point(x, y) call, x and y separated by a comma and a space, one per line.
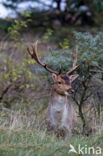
point(58, 98)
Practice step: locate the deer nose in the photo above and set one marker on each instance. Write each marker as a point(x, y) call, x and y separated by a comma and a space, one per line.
point(70, 90)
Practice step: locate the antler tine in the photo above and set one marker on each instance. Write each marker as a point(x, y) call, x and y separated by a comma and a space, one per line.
point(34, 56)
point(29, 52)
point(34, 49)
point(74, 57)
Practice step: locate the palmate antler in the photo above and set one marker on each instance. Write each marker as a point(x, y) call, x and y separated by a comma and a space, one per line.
point(33, 53)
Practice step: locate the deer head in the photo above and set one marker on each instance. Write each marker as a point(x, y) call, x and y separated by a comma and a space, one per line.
point(62, 82)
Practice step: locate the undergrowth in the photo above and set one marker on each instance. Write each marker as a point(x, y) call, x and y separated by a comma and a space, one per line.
point(23, 134)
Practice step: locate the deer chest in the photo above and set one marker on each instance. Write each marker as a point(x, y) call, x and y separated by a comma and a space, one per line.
point(58, 104)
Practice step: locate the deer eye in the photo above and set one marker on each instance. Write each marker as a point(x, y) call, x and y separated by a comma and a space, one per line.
point(59, 83)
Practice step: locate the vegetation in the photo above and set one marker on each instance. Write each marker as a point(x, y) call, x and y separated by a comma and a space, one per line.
point(23, 136)
point(45, 15)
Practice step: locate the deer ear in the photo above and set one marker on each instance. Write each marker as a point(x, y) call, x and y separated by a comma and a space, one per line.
point(73, 77)
point(54, 77)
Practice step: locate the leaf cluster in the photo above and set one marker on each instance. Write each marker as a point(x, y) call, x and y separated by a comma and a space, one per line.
point(90, 51)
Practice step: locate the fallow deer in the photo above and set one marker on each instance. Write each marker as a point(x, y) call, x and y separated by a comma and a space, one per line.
point(60, 114)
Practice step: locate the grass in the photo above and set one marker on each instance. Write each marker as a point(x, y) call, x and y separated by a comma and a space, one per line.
point(39, 143)
point(21, 137)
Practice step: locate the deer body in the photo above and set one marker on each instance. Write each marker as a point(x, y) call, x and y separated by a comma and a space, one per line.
point(60, 113)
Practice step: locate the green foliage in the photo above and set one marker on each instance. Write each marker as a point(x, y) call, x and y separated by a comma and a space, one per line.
point(90, 50)
point(5, 24)
point(90, 72)
point(62, 37)
point(16, 29)
point(48, 35)
point(98, 5)
point(15, 79)
point(64, 44)
point(59, 59)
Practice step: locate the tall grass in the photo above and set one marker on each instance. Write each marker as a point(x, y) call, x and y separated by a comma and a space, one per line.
point(23, 134)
